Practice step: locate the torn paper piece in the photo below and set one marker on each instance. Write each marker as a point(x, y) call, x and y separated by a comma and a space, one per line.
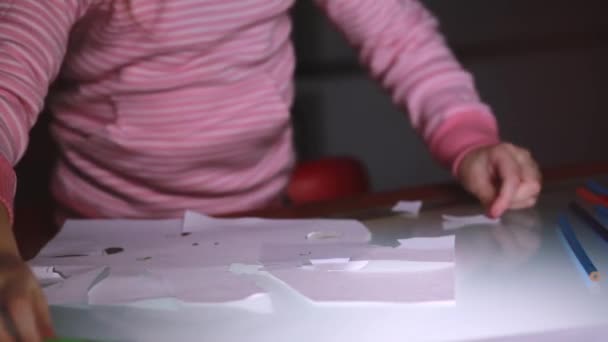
point(329, 261)
point(75, 288)
point(348, 266)
point(46, 275)
point(423, 285)
point(322, 235)
point(408, 207)
point(451, 222)
point(446, 242)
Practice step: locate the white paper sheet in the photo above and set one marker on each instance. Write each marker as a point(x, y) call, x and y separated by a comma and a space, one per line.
point(93, 237)
point(46, 275)
point(279, 230)
point(294, 255)
point(446, 242)
point(451, 222)
point(75, 289)
point(408, 207)
point(203, 285)
point(348, 266)
point(122, 261)
point(435, 283)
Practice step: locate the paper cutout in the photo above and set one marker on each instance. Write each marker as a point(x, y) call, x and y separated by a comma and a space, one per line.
point(322, 235)
point(429, 243)
point(329, 261)
point(46, 275)
point(451, 222)
point(408, 207)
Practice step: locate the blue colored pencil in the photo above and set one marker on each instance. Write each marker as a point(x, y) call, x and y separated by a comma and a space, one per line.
point(602, 211)
point(597, 188)
point(590, 220)
point(577, 249)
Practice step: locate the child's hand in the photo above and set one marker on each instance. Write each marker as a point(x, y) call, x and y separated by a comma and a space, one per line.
point(23, 301)
point(502, 176)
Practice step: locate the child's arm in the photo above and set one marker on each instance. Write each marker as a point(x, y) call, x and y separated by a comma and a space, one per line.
point(399, 42)
point(33, 40)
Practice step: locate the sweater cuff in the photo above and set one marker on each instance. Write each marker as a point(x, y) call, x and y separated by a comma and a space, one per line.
point(460, 134)
point(8, 183)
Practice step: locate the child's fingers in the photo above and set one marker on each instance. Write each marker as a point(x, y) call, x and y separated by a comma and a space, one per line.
point(43, 317)
point(529, 168)
point(509, 174)
point(23, 319)
point(529, 188)
point(526, 195)
point(527, 203)
point(480, 184)
point(4, 332)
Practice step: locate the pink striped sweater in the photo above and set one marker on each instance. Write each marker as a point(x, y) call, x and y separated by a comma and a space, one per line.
point(176, 104)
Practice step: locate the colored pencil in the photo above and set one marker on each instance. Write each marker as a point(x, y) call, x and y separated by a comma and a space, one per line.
point(597, 188)
point(589, 219)
point(602, 211)
point(590, 197)
point(577, 248)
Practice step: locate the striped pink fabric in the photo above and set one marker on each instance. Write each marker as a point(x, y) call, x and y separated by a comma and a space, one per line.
point(185, 103)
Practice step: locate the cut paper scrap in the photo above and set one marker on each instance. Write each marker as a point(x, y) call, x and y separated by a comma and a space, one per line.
point(203, 285)
point(446, 242)
point(46, 275)
point(329, 261)
point(451, 222)
point(408, 207)
point(396, 282)
point(336, 264)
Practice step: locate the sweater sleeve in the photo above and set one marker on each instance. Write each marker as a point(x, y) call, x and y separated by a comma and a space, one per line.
point(33, 40)
point(399, 41)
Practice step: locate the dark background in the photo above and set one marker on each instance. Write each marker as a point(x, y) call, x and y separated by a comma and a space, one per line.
point(541, 64)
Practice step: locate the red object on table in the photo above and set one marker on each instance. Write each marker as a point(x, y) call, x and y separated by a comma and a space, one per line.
point(590, 197)
point(327, 179)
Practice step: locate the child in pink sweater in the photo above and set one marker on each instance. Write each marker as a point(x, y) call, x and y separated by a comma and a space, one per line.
point(164, 105)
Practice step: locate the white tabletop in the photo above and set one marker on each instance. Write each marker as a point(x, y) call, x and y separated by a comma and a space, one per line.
point(514, 282)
